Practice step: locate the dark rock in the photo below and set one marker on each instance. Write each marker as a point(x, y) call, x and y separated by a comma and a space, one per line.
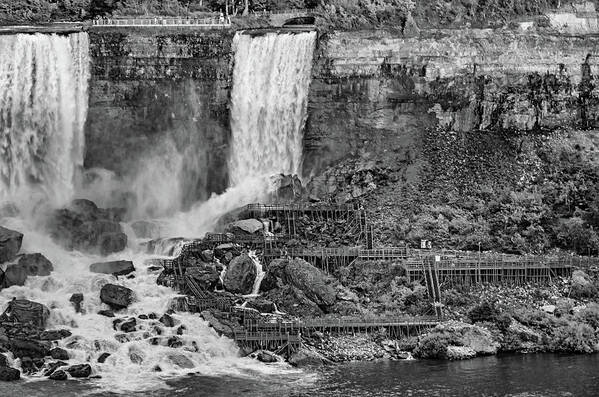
point(29, 348)
point(174, 342)
point(219, 325)
point(53, 366)
point(117, 268)
point(266, 357)
point(307, 357)
point(207, 278)
point(85, 227)
point(59, 354)
point(180, 360)
point(246, 227)
point(143, 316)
point(263, 305)
point(181, 329)
point(167, 320)
point(28, 366)
point(80, 370)
point(103, 357)
point(293, 300)
point(136, 357)
point(129, 325)
point(106, 313)
point(3, 360)
point(28, 312)
point(10, 244)
point(146, 229)
point(116, 296)
point(115, 323)
point(316, 285)
point(26, 265)
point(122, 338)
point(208, 255)
point(152, 316)
point(8, 374)
point(55, 334)
point(58, 375)
point(76, 300)
point(240, 275)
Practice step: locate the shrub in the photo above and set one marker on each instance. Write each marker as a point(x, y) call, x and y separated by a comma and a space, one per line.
point(433, 345)
point(589, 315)
point(486, 311)
point(574, 337)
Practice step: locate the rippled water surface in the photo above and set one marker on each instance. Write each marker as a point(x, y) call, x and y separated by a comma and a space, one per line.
point(525, 375)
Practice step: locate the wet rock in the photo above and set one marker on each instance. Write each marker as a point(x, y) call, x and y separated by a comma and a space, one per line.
point(129, 325)
point(103, 357)
point(122, 338)
point(315, 284)
point(26, 265)
point(152, 316)
point(10, 244)
point(27, 366)
point(181, 329)
point(266, 356)
point(116, 296)
point(180, 360)
point(29, 348)
point(245, 227)
point(136, 358)
point(79, 370)
point(292, 300)
point(174, 342)
point(106, 313)
point(167, 320)
point(117, 268)
point(112, 242)
point(76, 300)
point(115, 323)
point(143, 316)
point(59, 354)
point(307, 357)
point(263, 305)
point(8, 374)
point(58, 375)
point(221, 327)
point(28, 312)
point(207, 278)
point(146, 229)
point(55, 334)
point(208, 255)
point(3, 360)
point(240, 275)
point(53, 367)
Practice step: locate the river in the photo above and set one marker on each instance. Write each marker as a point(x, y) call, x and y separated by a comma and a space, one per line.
point(511, 375)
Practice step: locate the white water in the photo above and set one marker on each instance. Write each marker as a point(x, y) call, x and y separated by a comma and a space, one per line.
point(43, 105)
point(268, 103)
point(259, 273)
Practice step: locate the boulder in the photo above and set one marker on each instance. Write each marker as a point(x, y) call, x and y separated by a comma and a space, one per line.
point(459, 353)
point(10, 244)
point(29, 348)
point(76, 300)
point(207, 255)
point(315, 284)
point(26, 265)
point(58, 375)
point(246, 226)
point(266, 356)
point(55, 334)
point(8, 374)
point(117, 268)
point(59, 354)
point(307, 357)
point(240, 275)
point(79, 370)
point(146, 229)
point(181, 361)
point(289, 188)
point(3, 360)
point(129, 325)
point(116, 296)
point(263, 305)
point(53, 367)
point(103, 357)
point(293, 300)
point(206, 278)
point(106, 313)
point(85, 227)
point(220, 326)
point(27, 312)
point(582, 286)
point(167, 320)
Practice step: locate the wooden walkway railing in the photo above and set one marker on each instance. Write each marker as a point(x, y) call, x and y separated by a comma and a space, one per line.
point(214, 23)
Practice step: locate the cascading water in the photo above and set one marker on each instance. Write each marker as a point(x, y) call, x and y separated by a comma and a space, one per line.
point(42, 110)
point(43, 104)
point(268, 103)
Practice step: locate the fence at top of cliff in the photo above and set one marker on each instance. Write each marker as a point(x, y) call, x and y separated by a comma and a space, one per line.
point(163, 22)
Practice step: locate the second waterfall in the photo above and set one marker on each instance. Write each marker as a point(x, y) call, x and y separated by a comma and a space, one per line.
point(268, 103)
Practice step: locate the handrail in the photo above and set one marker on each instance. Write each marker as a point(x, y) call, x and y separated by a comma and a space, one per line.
point(160, 21)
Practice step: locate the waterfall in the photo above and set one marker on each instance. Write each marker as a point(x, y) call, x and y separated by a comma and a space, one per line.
point(268, 103)
point(43, 105)
point(271, 78)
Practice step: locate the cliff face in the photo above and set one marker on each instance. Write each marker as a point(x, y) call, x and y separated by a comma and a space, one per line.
point(161, 97)
point(460, 136)
point(376, 91)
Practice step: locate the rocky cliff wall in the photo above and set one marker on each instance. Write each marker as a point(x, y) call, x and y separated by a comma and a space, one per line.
point(161, 96)
point(378, 92)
